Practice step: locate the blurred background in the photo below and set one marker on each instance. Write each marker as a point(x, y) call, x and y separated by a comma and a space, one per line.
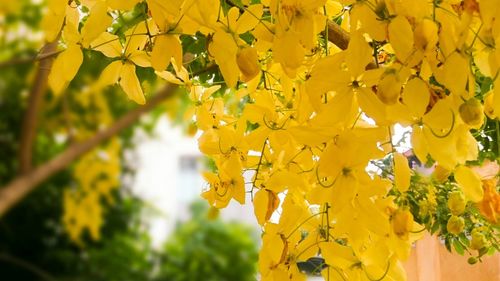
point(130, 209)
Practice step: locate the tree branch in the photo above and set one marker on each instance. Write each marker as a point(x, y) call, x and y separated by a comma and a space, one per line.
point(341, 39)
point(25, 60)
point(21, 186)
point(27, 266)
point(30, 121)
point(337, 35)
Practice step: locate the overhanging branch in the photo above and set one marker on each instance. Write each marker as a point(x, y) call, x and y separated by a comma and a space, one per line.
point(21, 186)
point(30, 121)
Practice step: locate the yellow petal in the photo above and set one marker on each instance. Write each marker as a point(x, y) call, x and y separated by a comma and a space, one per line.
point(495, 101)
point(470, 183)
point(389, 89)
point(441, 118)
point(167, 75)
point(108, 44)
point(401, 37)
point(455, 73)
point(248, 62)
point(249, 19)
point(136, 38)
point(419, 144)
point(130, 84)
point(110, 74)
point(337, 255)
point(402, 173)
point(358, 55)
point(426, 35)
point(416, 97)
point(265, 203)
point(288, 51)
point(140, 58)
point(65, 67)
point(224, 49)
point(96, 23)
point(53, 19)
point(166, 47)
point(122, 4)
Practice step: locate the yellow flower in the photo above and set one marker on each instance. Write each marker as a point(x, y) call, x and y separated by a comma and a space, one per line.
point(471, 112)
point(402, 223)
point(478, 240)
point(490, 205)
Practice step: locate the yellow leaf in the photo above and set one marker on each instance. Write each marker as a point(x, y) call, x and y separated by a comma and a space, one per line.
point(402, 173)
point(130, 84)
point(469, 182)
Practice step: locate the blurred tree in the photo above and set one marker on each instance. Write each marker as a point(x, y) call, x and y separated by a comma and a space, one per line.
point(209, 249)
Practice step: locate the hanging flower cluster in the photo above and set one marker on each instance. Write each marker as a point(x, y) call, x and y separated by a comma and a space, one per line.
point(310, 94)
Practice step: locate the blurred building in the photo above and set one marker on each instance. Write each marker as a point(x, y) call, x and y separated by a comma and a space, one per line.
point(168, 178)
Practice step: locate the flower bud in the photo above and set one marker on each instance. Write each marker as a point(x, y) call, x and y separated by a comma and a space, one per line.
point(455, 225)
point(389, 89)
point(478, 240)
point(248, 63)
point(456, 203)
point(471, 112)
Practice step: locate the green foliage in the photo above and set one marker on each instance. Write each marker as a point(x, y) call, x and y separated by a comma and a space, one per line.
point(209, 250)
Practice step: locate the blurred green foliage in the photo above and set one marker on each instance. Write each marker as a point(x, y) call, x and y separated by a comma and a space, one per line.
point(209, 250)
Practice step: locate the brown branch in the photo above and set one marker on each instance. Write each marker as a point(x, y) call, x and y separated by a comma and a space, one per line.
point(337, 35)
point(28, 129)
point(25, 60)
point(341, 39)
point(21, 186)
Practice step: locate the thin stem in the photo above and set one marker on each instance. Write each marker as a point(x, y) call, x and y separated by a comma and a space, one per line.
point(258, 168)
